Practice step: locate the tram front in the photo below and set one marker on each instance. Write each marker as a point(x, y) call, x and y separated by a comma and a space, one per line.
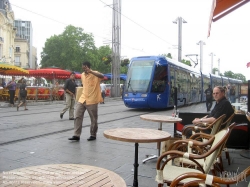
point(146, 83)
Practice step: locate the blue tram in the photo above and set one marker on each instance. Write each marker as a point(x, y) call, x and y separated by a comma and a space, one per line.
point(151, 81)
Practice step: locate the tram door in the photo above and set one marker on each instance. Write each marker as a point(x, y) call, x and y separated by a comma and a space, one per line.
point(158, 96)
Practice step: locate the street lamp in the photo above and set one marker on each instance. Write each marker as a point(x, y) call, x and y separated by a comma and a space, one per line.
point(179, 20)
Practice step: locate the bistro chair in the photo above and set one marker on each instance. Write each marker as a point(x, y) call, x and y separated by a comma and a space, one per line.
point(198, 179)
point(5, 94)
point(214, 127)
point(225, 125)
point(167, 171)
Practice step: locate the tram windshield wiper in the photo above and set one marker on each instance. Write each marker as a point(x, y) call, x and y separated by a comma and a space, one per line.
point(129, 85)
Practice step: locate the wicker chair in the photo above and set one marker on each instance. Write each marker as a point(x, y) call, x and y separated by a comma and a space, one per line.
point(198, 179)
point(214, 127)
point(167, 171)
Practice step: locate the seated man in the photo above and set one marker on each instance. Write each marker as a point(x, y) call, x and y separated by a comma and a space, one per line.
point(222, 106)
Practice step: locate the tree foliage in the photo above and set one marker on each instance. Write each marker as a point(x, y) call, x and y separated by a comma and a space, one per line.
point(233, 75)
point(69, 49)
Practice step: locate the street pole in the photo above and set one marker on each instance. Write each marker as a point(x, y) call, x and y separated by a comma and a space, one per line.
point(116, 48)
point(201, 43)
point(179, 20)
point(212, 61)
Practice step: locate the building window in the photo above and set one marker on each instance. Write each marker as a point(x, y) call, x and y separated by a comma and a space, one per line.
point(18, 49)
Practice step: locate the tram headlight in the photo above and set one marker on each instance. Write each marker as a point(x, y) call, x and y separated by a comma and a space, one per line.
point(144, 95)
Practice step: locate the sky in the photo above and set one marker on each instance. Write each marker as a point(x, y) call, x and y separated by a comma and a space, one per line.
point(147, 28)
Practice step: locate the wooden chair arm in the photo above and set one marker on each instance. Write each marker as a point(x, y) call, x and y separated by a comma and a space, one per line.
point(215, 180)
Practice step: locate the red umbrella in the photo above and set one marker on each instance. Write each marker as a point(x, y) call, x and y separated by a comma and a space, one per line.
point(50, 73)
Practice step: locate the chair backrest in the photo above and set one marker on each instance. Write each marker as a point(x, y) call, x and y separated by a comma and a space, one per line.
point(217, 124)
point(217, 146)
point(228, 122)
point(209, 179)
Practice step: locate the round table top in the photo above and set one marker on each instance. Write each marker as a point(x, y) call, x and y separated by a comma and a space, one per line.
point(62, 175)
point(137, 135)
point(160, 118)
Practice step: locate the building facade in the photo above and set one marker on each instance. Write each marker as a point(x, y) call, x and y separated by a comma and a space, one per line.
point(24, 31)
point(7, 33)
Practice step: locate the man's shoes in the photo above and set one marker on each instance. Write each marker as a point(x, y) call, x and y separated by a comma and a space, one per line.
point(91, 138)
point(71, 118)
point(75, 138)
point(61, 115)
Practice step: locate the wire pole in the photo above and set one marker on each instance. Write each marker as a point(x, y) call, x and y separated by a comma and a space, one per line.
point(179, 20)
point(116, 48)
point(201, 43)
point(212, 61)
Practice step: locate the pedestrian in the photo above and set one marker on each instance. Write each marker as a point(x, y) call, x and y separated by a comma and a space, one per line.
point(103, 92)
point(88, 100)
point(222, 106)
point(22, 94)
point(232, 94)
point(12, 89)
point(69, 89)
point(209, 97)
point(3, 83)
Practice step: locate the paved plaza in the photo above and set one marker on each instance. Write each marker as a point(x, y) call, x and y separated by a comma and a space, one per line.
point(39, 137)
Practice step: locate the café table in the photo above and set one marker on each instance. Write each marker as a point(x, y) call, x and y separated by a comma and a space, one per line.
point(136, 135)
point(161, 119)
point(61, 175)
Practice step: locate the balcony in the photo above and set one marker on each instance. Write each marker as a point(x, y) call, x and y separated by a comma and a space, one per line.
point(17, 64)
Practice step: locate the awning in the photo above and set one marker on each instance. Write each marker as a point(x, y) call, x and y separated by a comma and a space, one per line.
point(7, 69)
point(221, 8)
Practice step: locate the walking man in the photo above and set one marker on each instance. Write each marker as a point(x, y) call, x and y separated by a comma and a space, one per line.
point(209, 98)
point(88, 100)
point(70, 89)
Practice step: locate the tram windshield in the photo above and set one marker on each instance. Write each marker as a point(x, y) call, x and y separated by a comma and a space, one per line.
point(138, 76)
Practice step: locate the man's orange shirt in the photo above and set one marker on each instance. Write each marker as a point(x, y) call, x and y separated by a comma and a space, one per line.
point(91, 92)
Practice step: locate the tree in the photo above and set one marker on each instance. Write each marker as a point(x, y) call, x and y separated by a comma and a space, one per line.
point(229, 74)
point(69, 49)
point(187, 62)
point(240, 77)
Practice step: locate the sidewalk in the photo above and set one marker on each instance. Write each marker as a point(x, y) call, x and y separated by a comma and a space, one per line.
point(117, 156)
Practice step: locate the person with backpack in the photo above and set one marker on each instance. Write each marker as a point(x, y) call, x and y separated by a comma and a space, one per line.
point(209, 97)
point(22, 95)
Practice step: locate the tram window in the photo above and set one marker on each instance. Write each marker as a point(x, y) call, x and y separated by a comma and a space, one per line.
point(160, 79)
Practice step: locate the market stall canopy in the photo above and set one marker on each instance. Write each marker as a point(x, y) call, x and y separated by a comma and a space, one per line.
point(50, 73)
point(221, 8)
point(7, 69)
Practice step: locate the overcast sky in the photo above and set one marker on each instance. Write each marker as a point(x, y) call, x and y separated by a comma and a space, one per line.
point(147, 28)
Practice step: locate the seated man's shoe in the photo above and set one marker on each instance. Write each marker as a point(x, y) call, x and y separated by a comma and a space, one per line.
point(71, 118)
point(61, 115)
point(75, 138)
point(91, 138)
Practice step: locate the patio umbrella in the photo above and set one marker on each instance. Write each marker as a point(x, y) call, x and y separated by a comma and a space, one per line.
point(7, 69)
point(50, 73)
